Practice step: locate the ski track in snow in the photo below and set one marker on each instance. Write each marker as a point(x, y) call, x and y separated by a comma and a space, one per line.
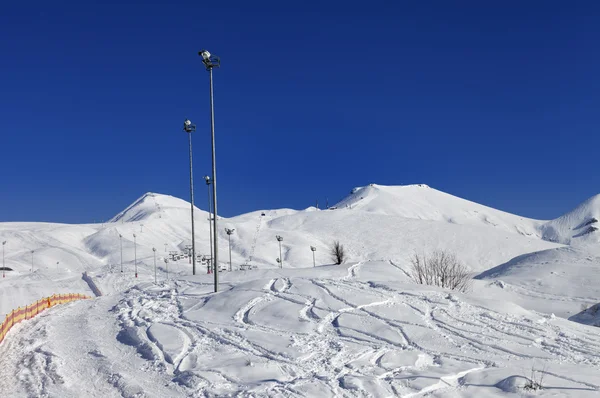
point(355, 348)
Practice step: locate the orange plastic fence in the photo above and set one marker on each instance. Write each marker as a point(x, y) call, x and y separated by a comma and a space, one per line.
point(34, 309)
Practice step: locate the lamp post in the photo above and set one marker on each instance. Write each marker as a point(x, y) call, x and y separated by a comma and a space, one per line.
point(229, 232)
point(188, 127)
point(166, 244)
point(58, 262)
point(167, 266)
point(210, 61)
point(141, 228)
point(279, 239)
point(210, 216)
point(154, 250)
point(188, 249)
point(313, 249)
point(121, 242)
point(135, 253)
point(3, 264)
point(32, 260)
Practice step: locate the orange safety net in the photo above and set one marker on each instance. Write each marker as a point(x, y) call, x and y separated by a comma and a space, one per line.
point(30, 311)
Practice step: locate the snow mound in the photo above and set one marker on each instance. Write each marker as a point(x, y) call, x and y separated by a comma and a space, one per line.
point(579, 226)
point(589, 316)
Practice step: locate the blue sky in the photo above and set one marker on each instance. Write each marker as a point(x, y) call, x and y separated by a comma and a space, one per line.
point(497, 103)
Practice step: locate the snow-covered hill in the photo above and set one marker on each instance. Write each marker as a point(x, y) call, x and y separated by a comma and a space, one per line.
point(361, 329)
point(424, 203)
point(577, 227)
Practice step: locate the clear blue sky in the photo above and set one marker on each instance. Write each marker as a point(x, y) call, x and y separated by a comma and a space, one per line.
point(497, 103)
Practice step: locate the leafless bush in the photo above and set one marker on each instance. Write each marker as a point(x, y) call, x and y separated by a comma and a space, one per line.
point(442, 269)
point(337, 252)
point(536, 382)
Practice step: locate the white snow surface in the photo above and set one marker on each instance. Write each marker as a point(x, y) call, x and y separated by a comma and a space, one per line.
point(577, 227)
point(358, 329)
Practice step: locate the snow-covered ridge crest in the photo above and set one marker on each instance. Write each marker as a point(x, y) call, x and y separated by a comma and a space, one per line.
point(149, 205)
point(579, 226)
point(419, 201)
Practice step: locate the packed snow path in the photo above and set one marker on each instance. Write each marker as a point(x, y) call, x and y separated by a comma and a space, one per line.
point(331, 331)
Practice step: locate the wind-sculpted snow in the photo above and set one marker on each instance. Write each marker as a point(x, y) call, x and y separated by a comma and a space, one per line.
point(333, 332)
point(577, 227)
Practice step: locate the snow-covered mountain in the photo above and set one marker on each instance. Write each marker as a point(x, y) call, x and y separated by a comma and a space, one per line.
point(360, 329)
point(425, 203)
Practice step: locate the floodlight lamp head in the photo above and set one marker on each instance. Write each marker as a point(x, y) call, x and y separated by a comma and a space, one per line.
point(209, 60)
point(188, 127)
point(204, 54)
point(313, 248)
point(207, 179)
point(154, 249)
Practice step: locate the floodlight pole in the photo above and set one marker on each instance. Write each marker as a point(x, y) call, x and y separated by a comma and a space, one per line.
point(135, 254)
point(3, 263)
point(229, 232)
point(121, 242)
point(32, 260)
point(57, 265)
point(188, 127)
point(279, 239)
point(211, 61)
point(313, 249)
point(210, 234)
point(154, 250)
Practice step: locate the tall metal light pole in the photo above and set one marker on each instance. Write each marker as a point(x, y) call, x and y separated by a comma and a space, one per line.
point(279, 239)
point(141, 228)
point(167, 266)
point(3, 264)
point(135, 253)
point(313, 249)
point(229, 232)
point(154, 250)
point(121, 242)
point(188, 127)
point(210, 216)
point(58, 262)
point(166, 244)
point(32, 260)
point(210, 62)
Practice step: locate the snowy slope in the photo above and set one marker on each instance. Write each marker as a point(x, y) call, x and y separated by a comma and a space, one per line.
point(358, 330)
point(362, 329)
point(552, 280)
point(424, 203)
point(577, 227)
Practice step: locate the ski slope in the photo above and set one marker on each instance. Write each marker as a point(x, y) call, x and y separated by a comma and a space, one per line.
point(359, 329)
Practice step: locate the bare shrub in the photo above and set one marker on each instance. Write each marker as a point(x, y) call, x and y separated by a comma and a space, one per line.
point(337, 252)
point(442, 269)
point(536, 382)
